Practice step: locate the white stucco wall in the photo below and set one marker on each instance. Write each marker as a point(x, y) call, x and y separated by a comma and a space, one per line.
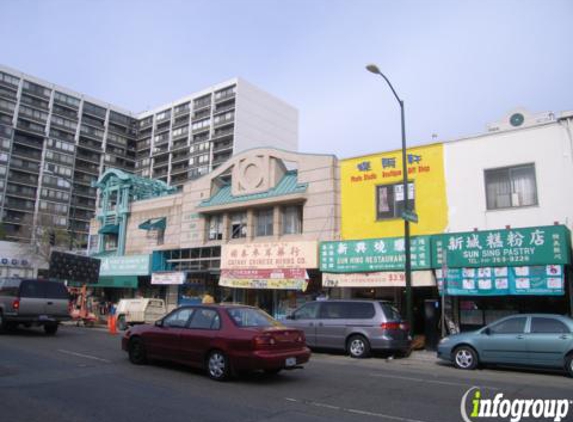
point(548, 146)
point(263, 120)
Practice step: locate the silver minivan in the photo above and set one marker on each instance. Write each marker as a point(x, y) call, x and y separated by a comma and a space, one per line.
point(33, 302)
point(356, 326)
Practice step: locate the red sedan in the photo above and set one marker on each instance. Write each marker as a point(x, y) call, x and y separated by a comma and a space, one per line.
point(223, 339)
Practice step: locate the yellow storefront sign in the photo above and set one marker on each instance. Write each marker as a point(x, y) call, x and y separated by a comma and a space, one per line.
point(373, 195)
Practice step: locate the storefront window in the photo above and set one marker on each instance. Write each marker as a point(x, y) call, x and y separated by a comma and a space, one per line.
point(265, 222)
point(292, 220)
point(390, 200)
point(216, 227)
point(238, 225)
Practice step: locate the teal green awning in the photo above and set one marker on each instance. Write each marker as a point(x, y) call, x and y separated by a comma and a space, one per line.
point(109, 229)
point(118, 282)
point(154, 224)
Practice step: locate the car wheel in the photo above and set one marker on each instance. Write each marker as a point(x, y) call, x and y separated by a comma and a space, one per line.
point(136, 351)
point(465, 358)
point(218, 366)
point(569, 364)
point(121, 323)
point(50, 329)
point(358, 347)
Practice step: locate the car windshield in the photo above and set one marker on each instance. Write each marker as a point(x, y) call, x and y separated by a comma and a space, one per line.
point(250, 317)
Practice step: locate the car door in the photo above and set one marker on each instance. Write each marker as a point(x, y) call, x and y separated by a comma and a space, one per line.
point(57, 299)
point(504, 341)
point(198, 336)
point(331, 325)
point(305, 318)
point(164, 340)
point(32, 299)
point(548, 341)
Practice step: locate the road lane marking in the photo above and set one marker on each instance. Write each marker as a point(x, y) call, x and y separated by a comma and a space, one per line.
point(430, 381)
point(350, 410)
point(81, 355)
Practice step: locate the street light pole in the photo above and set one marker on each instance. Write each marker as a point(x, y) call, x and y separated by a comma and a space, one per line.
point(408, 263)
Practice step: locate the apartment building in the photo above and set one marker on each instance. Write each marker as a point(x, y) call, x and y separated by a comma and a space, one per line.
point(55, 143)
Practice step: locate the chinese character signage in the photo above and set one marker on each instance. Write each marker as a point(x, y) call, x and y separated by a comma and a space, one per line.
point(510, 247)
point(546, 280)
point(286, 279)
point(371, 255)
point(270, 255)
point(125, 265)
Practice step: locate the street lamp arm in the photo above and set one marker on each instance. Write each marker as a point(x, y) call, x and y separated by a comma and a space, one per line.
point(374, 69)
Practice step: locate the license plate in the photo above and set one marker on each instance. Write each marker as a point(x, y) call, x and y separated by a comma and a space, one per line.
point(290, 362)
point(43, 317)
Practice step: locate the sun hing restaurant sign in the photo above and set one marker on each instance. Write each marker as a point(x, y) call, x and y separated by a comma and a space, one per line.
point(371, 255)
point(272, 255)
point(510, 247)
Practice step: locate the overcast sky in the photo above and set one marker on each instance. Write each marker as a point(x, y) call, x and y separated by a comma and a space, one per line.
point(458, 65)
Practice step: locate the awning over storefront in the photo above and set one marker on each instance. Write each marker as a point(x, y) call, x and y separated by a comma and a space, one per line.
point(109, 229)
point(377, 279)
point(119, 282)
point(154, 224)
point(285, 279)
point(545, 280)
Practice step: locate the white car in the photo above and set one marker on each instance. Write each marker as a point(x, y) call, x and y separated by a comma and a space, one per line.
point(139, 311)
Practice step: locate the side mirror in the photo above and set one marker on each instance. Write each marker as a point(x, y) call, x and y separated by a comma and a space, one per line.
point(486, 331)
point(159, 323)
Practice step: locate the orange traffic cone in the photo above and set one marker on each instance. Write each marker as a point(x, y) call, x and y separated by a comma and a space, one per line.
point(112, 324)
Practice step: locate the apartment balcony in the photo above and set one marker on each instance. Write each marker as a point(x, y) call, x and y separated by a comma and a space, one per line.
point(30, 127)
point(84, 179)
point(182, 109)
point(91, 144)
point(223, 122)
point(33, 142)
point(160, 172)
point(222, 146)
point(179, 169)
point(181, 143)
point(177, 158)
point(85, 192)
point(87, 156)
point(201, 114)
point(222, 133)
point(21, 191)
point(85, 204)
point(26, 153)
point(84, 215)
point(8, 85)
point(222, 96)
point(223, 107)
point(179, 179)
point(27, 166)
point(87, 167)
point(201, 103)
point(16, 217)
point(18, 204)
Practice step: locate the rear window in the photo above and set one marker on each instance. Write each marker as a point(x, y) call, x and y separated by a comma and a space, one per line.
point(390, 311)
point(249, 317)
point(43, 289)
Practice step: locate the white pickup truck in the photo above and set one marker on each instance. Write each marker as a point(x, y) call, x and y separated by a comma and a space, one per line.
point(139, 311)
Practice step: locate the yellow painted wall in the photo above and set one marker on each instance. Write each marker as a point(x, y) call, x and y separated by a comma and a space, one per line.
point(361, 175)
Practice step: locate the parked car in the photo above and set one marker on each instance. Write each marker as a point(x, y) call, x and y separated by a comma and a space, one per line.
point(139, 311)
point(538, 340)
point(356, 326)
point(223, 339)
point(33, 302)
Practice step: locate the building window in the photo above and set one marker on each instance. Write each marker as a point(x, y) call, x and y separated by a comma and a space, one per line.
point(265, 222)
point(390, 200)
point(511, 187)
point(238, 225)
point(216, 227)
point(292, 219)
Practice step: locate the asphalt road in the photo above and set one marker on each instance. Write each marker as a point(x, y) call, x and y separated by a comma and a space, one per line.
point(81, 374)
